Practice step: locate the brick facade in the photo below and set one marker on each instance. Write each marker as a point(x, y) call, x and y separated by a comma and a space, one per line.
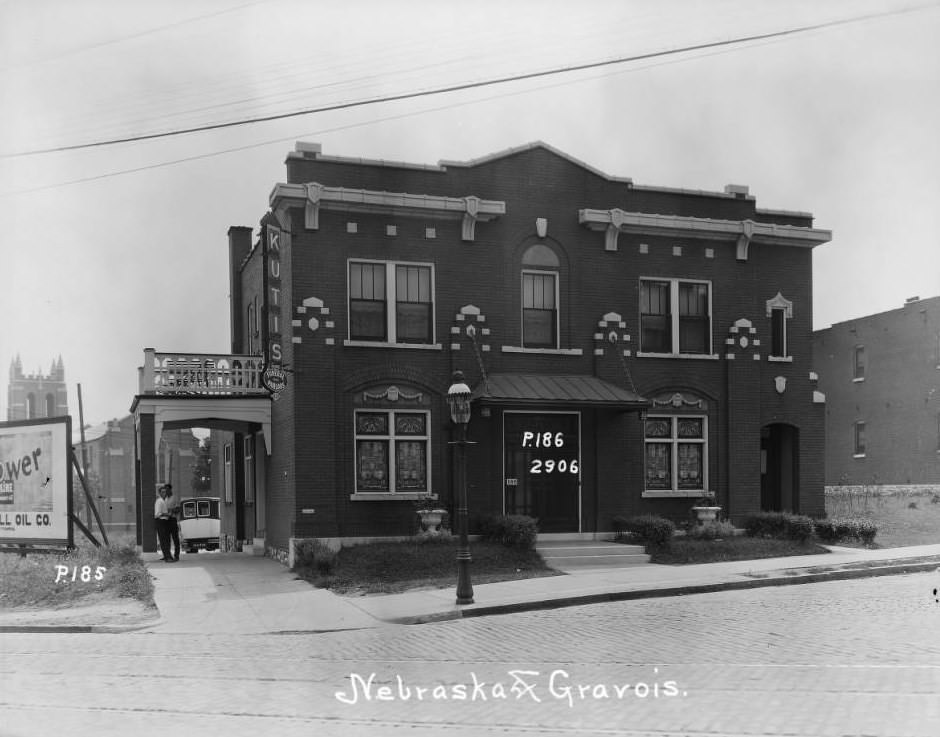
point(895, 392)
point(478, 228)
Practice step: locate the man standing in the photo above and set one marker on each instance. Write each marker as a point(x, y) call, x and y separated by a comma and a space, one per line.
point(173, 523)
point(161, 517)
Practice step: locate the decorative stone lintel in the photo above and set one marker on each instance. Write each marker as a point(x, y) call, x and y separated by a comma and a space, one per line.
point(678, 400)
point(780, 303)
point(392, 394)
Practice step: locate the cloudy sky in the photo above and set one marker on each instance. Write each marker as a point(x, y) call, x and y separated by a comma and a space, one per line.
point(108, 249)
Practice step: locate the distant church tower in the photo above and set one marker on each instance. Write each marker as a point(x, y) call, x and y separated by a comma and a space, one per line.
point(35, 396)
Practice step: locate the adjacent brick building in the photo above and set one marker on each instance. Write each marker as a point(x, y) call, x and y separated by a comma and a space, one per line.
point(629, 348)
point(881, 377)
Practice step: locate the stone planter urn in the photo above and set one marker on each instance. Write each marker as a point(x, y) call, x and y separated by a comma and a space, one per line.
point(706, 514)
point(431, 520)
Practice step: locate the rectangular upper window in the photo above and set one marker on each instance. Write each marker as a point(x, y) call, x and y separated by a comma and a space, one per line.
point(858, 363)
point(391, 302)
point(778, 333)
point(392, 451)
point(675, 317)
point(859, 438)
point(539, 309)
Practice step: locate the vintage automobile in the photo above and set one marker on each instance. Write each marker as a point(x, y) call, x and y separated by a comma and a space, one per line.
point(199, 524)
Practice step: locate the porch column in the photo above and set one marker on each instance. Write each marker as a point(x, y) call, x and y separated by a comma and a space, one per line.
point(146, 483)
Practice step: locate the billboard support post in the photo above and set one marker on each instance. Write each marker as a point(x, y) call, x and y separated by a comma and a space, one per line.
point(91, 505)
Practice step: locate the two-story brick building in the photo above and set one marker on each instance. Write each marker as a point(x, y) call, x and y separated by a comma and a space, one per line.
point(629, 348)
point(881, 377)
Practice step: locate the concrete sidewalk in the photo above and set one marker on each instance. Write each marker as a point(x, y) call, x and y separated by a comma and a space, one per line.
point(240, 594)
point(234, 593)
point(587, 586)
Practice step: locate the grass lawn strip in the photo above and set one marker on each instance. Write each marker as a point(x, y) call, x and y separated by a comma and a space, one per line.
point(112, 572)
point(682, 551)
point(387, 568)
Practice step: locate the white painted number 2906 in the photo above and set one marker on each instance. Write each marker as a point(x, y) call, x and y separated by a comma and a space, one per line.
point(550, 466)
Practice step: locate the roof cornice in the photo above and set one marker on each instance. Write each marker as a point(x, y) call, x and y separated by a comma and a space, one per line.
point(314, 197)
point(616, 221)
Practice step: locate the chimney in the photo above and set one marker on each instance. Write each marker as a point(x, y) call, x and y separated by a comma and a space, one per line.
point(239, 246)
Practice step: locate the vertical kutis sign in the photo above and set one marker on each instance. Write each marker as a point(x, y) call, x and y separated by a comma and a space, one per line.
point(272, 286)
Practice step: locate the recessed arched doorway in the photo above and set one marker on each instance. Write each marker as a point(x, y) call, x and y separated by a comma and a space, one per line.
point(779, 468)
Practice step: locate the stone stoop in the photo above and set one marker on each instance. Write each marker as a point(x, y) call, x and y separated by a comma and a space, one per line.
point(564, 554)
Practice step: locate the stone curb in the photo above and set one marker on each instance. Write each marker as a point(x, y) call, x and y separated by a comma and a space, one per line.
point(105, 629)
point(610, 596)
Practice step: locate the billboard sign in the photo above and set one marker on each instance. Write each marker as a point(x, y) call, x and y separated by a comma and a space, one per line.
point(36, 481)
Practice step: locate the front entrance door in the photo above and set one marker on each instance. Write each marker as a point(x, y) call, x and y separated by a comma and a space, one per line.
point(543, 468)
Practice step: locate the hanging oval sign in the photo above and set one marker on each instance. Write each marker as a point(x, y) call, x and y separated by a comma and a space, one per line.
point(274, 379)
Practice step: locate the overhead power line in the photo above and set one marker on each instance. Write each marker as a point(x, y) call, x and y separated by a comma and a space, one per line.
point(471, 85)
point(124, 39)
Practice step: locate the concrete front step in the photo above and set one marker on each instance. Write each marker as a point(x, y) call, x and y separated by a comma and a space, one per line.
point(590, 554)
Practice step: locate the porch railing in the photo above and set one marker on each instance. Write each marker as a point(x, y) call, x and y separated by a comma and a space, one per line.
point(201, 374)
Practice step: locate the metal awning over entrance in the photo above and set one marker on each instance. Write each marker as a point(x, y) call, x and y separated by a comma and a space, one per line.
point(559, 390)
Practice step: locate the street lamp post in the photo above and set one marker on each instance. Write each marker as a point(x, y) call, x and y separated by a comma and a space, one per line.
point(458, 400)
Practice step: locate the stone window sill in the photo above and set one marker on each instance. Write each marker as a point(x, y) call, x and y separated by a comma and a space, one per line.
point(684, 356)
point(378, 344)
point(548, 351)
point(387, 496)
point(657, 494)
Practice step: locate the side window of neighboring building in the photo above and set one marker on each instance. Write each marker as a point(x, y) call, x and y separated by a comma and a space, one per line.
point(859, 439)
point(254, 337)
point(675, 317)
point(858, 363)
point(391, 302)
point(249, 469)
point(227, 478)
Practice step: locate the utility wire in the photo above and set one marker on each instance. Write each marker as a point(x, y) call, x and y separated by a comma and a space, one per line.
point(472, 85)
point(348, 126)
point(140, 34)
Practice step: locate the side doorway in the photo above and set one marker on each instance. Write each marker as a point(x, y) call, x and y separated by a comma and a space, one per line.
point(779, 468)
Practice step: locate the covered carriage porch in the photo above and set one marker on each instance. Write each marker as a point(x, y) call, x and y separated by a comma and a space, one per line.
point(214, 391)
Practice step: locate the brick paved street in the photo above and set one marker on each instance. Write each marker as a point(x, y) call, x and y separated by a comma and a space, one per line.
point(857, 657)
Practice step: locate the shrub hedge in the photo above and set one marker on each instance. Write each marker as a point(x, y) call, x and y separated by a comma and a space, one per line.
point(846, 528)
point(780, 525)
point(511, 530)
point(650, 529)
point(316, 555)
point(711, 531)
